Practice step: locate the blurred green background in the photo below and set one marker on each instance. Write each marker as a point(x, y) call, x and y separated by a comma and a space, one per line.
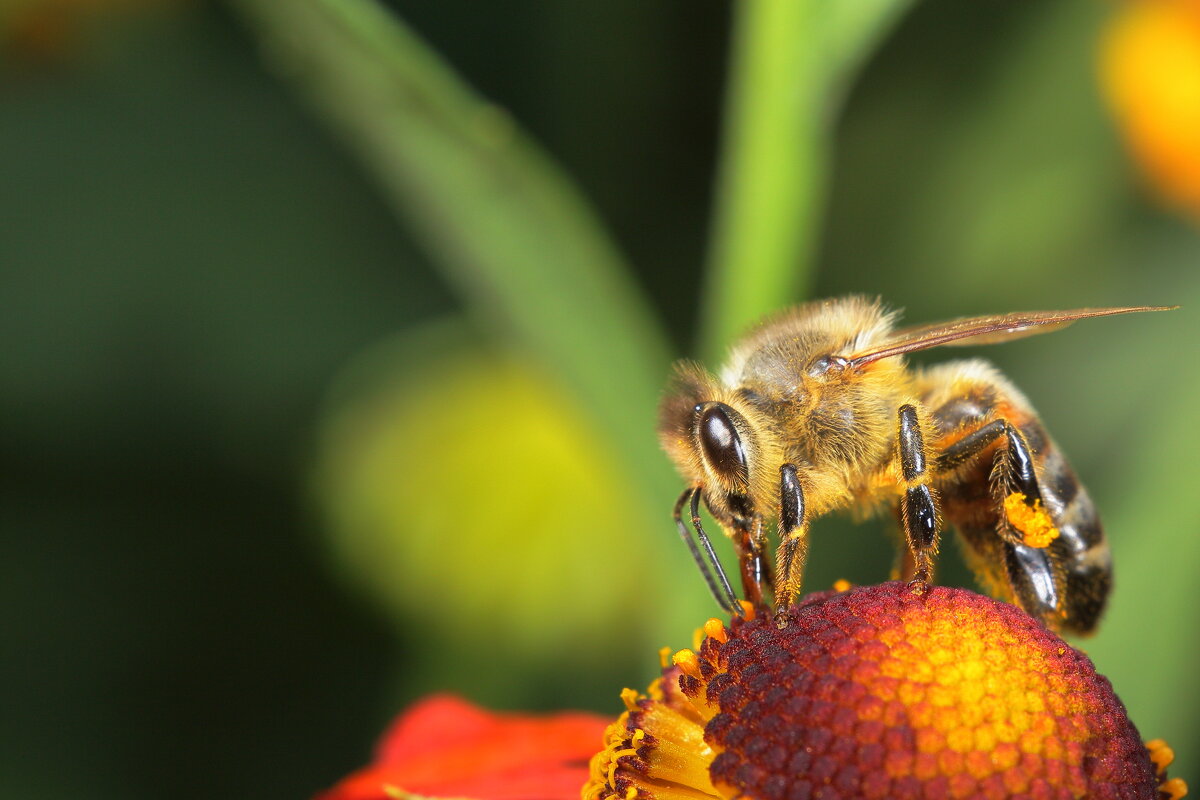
point(297, 423)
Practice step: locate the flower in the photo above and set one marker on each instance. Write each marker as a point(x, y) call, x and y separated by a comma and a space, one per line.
point(878, 692)
point(446, 747)
point(1150, 71)
point(870, 692)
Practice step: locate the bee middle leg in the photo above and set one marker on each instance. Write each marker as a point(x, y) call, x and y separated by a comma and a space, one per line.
point(793, 541)
point(918, 505)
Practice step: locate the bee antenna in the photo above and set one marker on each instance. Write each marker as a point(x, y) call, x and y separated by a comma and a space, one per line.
point(718, 585)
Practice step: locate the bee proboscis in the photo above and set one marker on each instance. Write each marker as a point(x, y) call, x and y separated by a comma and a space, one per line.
point(816, 411)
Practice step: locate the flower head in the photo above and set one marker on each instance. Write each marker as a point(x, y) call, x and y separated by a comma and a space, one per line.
point(878, 692)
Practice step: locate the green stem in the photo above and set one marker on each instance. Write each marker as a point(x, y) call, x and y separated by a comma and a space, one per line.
point(791, 59)
point(511, 232)
point(770, 173)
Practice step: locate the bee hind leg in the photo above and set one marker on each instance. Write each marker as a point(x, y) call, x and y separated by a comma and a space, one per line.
point(1024, 526)
point(1031, 573)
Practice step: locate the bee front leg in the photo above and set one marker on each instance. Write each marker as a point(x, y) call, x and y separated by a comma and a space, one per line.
point(793, 541)
point(715, 577)
point(750, 543)
point(918, 505)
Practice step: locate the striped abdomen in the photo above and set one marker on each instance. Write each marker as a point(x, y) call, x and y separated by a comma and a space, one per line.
point(1066, 583)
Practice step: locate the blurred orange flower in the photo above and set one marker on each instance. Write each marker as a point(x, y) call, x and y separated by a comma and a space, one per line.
point(1150, 71)
point(446, 747)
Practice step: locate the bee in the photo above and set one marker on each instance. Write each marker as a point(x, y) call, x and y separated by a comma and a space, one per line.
point(816, 411)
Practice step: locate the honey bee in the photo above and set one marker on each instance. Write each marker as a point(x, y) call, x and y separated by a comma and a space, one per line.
point(816, 411)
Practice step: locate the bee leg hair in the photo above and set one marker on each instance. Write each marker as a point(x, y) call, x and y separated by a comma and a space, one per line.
point(793, 542)
point(918, 505)
point(1012, 468)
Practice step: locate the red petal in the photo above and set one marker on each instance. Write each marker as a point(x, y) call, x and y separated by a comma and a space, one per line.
point(446, 747)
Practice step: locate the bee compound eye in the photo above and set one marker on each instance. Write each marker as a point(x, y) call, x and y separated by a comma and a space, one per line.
point(719, 439)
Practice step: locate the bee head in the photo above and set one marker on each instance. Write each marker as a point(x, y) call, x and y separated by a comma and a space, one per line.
point(708, 432)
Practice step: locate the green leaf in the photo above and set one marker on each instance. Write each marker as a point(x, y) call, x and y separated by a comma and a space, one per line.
point(511, 232)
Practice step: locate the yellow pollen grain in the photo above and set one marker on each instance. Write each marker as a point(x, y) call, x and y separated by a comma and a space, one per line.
point(842, 585)
point(1033, 522)
point(910, 693)
point(960, 740)
point(1005, 756)
point(630, 698)
point(715, 630)
point(748, 610)
point(664, 657)
point(687, 661)
point(930, 741)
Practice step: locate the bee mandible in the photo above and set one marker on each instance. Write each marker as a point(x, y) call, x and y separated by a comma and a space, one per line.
point(816, 411)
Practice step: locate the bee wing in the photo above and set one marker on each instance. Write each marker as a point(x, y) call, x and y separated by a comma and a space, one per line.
point(983, 330)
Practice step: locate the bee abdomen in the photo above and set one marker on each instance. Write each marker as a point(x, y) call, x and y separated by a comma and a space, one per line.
point(1081, 548)
point(1077, 562)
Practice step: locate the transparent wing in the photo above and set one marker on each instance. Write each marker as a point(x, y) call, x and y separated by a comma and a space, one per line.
point(984, 330)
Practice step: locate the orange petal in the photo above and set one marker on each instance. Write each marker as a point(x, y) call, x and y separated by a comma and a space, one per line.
point(447, 747)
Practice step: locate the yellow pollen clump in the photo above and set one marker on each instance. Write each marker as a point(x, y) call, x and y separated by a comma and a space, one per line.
point(1032, 521)
point(842, 585)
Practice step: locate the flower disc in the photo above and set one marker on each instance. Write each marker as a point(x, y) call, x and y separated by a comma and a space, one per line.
point(879, 692)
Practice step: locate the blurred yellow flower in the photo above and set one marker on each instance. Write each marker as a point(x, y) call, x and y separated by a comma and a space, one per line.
point(1150, 70)
point(462, 486)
